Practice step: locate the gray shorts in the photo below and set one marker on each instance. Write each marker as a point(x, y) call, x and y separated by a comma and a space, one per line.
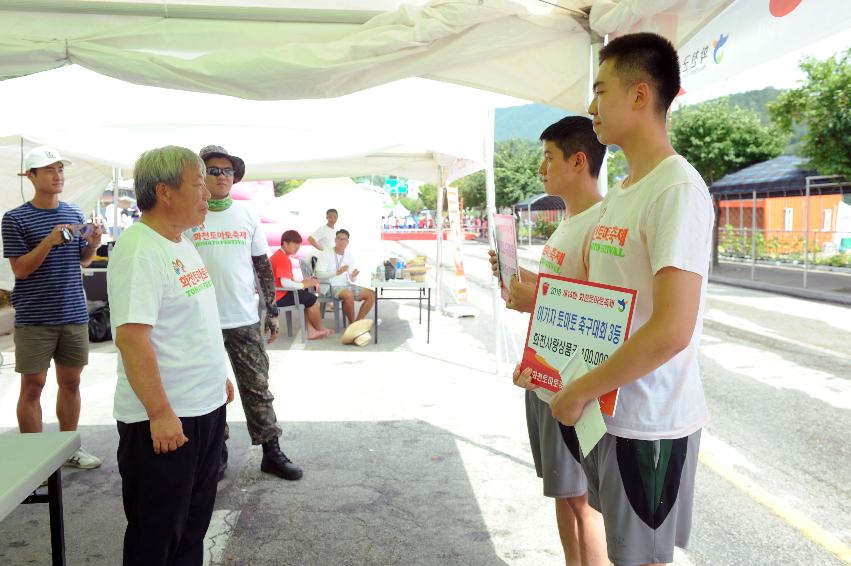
point(556, 455)
point(645, 491)
point(35, 346)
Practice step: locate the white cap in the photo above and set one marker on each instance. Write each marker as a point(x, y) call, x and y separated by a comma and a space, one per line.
point(42, 156)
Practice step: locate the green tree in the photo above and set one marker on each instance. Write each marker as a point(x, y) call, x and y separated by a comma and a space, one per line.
point(823, 102)
point(718, 139)
point(283, 186)
point(472, 189)
point(412, 204)
point(616, 166)
point(428, 196)
point(515, 167)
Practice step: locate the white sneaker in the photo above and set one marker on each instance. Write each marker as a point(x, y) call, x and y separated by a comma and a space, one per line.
point(83, 460)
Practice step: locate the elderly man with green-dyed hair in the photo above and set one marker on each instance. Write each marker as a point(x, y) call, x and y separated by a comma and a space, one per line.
point(172, 384)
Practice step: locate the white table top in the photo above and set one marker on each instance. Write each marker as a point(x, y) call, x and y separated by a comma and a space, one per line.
point(31, 459)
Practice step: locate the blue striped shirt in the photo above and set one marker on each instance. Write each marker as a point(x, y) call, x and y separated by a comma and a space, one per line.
point(53, 293)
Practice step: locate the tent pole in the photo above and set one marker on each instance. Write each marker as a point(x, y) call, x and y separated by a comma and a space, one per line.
point(597, 43)
point(807, 232)
point(753, 235)
point(490, 203)
point(438, 227)
point(529, 218)
point(115, 191)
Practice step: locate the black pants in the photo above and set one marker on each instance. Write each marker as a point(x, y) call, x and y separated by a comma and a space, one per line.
point(306, 297)
point(168, 498)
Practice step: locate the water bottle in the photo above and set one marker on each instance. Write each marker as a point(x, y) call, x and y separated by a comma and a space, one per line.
point(399, 266)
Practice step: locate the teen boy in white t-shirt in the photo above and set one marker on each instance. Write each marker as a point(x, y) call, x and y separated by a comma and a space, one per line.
point(654, 235)
point(569, 169)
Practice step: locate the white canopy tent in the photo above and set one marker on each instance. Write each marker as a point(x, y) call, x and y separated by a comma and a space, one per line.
point(100, 123)
point(295, 49)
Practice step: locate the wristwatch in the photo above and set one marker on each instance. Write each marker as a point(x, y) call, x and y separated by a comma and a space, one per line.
point(272, 310)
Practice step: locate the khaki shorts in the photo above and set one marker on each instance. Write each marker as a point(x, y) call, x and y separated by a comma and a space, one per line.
point(356, 290)
point(35, 346)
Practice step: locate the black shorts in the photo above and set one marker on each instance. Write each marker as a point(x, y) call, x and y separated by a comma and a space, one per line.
point(305, 297)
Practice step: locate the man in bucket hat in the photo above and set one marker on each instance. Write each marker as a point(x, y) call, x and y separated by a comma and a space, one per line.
point(47, 243)
point(233, 246)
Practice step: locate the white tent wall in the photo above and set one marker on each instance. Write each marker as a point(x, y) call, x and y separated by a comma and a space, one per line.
point(359, 208)
point(284, 50)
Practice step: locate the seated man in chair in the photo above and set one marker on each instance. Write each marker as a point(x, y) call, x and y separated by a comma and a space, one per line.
point(336, 266)
point(282, 268)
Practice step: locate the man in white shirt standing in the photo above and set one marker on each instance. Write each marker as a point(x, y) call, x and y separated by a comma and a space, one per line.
point(323, 237)
point(172, 382)
point(654, 235)
point(233, 246)
point(337, 267)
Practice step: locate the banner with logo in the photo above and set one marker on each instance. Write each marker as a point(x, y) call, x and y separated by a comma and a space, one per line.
point(506, 250)
point(454, 213)
point(574, 327)
point(748, 34)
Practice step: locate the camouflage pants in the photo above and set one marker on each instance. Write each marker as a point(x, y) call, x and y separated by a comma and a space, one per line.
point(250, 364)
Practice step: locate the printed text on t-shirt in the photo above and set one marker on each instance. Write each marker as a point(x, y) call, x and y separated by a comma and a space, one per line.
point(609, 239)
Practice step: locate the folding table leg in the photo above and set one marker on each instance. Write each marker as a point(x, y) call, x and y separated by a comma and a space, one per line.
point(57, 525)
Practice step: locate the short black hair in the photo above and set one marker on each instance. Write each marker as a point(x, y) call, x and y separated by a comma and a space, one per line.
point(342, 231)
point(291, 237)
point(574, 134)
point(646, 57)
point(330, 210)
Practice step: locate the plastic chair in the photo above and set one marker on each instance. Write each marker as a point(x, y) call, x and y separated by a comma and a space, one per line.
point(325, 296)
point(296, 307)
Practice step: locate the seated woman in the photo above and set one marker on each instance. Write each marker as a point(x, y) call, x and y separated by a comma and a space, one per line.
point(282, 268)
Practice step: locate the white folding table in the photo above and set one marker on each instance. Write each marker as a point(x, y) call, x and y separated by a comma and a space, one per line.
point(32, 459)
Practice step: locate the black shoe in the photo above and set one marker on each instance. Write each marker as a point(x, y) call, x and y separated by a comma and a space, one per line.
point(223, 463)
point(276, 462)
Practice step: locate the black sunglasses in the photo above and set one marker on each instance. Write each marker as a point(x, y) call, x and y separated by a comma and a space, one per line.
point(216, 171)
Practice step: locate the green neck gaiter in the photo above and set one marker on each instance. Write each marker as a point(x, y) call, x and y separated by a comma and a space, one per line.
point(219, 204)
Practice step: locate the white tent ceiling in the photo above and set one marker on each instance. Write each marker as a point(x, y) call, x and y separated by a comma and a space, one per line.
point(295, 49)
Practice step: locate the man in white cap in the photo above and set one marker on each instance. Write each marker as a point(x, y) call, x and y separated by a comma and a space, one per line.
point(47, 243)
point(234, 249)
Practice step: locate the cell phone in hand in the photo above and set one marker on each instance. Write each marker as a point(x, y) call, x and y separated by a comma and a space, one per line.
point(82, 230)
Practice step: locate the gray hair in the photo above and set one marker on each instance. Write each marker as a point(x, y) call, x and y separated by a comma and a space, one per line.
point(161, 165)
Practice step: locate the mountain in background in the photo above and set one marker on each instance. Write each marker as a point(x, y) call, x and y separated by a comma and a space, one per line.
point(528, 121)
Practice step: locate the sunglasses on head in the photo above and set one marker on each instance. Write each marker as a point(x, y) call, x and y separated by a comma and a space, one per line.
point(216, 171)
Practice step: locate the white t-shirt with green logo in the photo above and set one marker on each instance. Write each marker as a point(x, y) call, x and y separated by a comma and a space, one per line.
point(663, 220)
point(226, 242)
point(566, 255)
point(154, 281)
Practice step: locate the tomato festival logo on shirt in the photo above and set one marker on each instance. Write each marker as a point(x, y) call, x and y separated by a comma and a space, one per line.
point(202, 237)
point(609, 240)
point(552, 258)
point(192, 282)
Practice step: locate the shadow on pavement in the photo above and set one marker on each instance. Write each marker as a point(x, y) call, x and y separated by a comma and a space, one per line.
point(374, 493)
